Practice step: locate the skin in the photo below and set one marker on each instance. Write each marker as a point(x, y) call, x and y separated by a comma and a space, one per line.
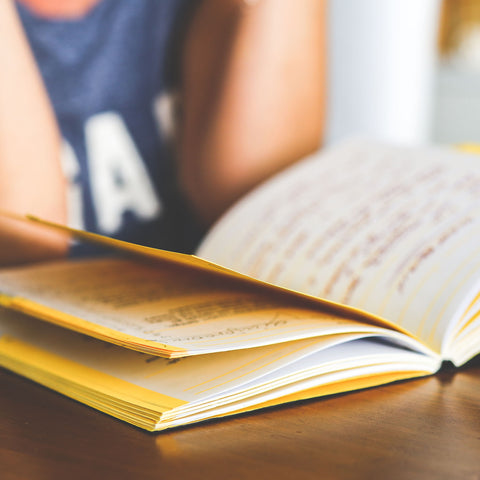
point(254, 95)
point(29, 142)
point(253, 102)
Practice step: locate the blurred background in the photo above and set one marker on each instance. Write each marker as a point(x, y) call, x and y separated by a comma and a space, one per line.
point(404, 71)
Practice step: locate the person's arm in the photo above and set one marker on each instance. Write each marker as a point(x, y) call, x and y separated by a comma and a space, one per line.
point(31, 179)
point(253, 93)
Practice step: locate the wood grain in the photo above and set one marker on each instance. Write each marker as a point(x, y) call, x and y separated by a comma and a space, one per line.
point(427, 428)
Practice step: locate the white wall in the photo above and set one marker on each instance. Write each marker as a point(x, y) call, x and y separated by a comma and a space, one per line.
point(457, 105)
point(381, 69)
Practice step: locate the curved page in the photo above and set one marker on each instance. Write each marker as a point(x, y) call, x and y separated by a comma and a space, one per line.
point(165, 310)
point(390, 231)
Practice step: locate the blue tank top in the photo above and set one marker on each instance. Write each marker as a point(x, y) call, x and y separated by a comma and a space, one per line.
point(111, 81)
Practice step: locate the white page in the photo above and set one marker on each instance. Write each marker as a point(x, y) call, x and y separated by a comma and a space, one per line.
point(339, 363)
point(390, 231)
point(202, 379)
point(192, 379)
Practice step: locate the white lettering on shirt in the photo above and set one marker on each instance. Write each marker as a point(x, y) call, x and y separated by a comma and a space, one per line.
point(119, 179)
point(165, 111)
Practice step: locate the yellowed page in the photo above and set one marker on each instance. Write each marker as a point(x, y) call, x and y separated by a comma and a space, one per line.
point(162, 309)
point(193, 262)
point(186, 379)
point(390, 231)
point(140, 388)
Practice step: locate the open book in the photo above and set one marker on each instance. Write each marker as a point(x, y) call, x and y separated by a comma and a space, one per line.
point(356, 267)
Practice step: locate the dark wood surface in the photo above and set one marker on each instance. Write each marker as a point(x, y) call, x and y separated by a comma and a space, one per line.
point(427, 428)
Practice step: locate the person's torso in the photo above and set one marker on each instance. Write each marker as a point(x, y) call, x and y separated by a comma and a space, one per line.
point(110, 78)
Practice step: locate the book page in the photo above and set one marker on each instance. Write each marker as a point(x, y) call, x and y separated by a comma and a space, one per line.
point(195, 387)
point(387, 230)
point(165, 310)
point(186, 379)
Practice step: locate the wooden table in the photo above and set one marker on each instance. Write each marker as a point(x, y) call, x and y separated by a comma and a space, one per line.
point(427, 428)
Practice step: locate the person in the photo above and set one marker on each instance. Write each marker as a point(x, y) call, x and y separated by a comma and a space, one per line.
point(90, 122)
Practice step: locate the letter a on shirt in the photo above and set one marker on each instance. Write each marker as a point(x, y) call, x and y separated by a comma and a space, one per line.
point(119, 179)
